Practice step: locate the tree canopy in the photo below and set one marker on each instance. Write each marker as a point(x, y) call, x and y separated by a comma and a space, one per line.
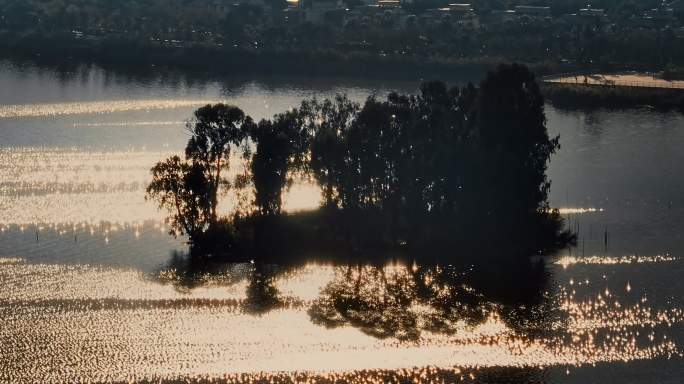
point(190, 189)
point(448, 165)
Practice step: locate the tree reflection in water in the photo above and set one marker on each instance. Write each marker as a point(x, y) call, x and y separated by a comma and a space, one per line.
point(406, 301)
point(186, 273)
point(402, 302)
point(262, 294)
point(395, 300)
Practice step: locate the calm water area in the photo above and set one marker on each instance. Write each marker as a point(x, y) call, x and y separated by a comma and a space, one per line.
point(93, 289)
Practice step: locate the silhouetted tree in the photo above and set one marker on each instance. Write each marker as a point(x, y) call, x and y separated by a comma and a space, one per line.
point(281, 147)
point(421, 168)
point(513, 143)
point(189, 189)
point(214, 130)
point(183, 190)
point(328, 123)
point(447, 166)
point(269, 167)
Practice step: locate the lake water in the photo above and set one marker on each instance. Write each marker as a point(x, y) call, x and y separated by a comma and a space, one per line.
point(92, 288)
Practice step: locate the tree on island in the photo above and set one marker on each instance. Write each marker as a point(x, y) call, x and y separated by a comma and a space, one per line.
point(182, 189)
point(328, 121)
point(447, 167)
point(213, 131)
point(281, 144)
point(190, 189)
point(513, 149)
point(446, 163)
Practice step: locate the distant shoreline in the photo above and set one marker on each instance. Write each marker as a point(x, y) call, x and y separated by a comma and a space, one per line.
point(590, 96)
point(142, 55)
point(146, 59)
point(629, 79)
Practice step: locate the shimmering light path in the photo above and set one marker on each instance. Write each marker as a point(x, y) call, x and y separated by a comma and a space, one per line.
point(566, 261)
point(95, 107)
point(53, 186)
point(92, 289)
point(96, 324)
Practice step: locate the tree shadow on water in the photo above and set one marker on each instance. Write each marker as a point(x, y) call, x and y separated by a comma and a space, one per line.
point(403, 302)
point(385, 298)
point(186, 272)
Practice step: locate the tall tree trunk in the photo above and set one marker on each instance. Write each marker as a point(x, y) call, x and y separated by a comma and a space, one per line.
point(214, 192)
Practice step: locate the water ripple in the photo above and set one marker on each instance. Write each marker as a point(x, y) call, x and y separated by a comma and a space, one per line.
point(96, 107)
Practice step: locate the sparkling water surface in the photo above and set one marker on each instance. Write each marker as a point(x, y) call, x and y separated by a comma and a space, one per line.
point(92, 289)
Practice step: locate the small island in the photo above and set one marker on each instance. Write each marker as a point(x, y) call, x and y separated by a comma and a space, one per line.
point(449, 169)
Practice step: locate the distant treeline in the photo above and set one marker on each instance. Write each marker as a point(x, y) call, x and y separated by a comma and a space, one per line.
point(450, 167)
point(161, 14)
point(224, 36)
point(673, 72)
point(125, 53)
point(606, 96)
point(135, 54)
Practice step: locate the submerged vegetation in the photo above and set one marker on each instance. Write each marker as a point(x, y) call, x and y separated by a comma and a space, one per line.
point(448, 167)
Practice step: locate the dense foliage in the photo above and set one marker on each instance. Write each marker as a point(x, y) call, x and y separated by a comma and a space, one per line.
point(281, 145)
point(446, 166)
point(421, 168)
point(190, 189)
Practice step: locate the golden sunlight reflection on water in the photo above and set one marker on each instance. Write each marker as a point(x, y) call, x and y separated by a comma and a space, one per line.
point(61, 321)
point(56, 186)
point(566, 261)
point(96, 107)
point(44, 186)
point(85, 323)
